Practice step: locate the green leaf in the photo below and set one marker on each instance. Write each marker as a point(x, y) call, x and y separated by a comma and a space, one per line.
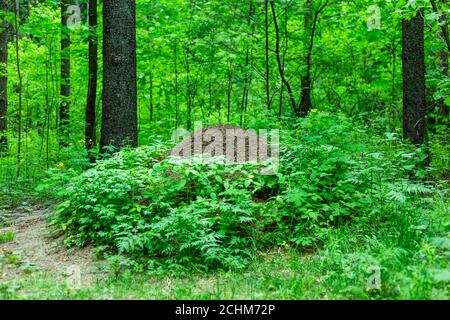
point(180, 185)
point(447, 101)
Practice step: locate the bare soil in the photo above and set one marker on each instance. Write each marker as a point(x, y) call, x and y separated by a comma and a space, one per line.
point(39, 249)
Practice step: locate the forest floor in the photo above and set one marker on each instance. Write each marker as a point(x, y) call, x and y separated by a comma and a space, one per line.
point(36, 264)
point(36, 248)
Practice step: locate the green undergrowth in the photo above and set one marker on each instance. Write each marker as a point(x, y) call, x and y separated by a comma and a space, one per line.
point(158, 212)
point(411, 265)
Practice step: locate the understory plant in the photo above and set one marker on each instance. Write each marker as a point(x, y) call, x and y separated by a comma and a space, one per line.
point(207, 213)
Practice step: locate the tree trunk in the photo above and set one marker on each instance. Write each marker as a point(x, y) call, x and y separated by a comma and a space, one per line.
point(19, 89)
point(90, 134)
point(246, 65)
point(65, 75)
point(283, 58)
point(151, 95)
point(189, 90)
point(266, 13)
point(444, 109)
point(4, 39)
point(119, 116)
point(176, 83)
point(279, 62)
point(413, 59)
point(229, 90)
point(309, 21)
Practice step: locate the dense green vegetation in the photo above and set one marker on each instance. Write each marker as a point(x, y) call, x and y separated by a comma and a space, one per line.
point(217, 214)
point(359, 208)
point(352, 207)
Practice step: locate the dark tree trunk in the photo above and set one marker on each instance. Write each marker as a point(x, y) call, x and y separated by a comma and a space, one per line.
point(305, 100)
point(90, 134)
point(414, 102)
point(305, 80)
point(279, 62)
point(176, 84)
point(4, 39)
point(19, 89)
point(189, 89)
point(283, 58)
point(310, 22)
point(229, 90)
point(64, 107)
point(119, 116)
point(444, 109)
point(247, 62)
point(151, 96)
point(266, 13)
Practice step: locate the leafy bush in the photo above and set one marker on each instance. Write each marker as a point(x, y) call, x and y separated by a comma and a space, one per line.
point(208, 214)
point(194, 212)
point(333, 171)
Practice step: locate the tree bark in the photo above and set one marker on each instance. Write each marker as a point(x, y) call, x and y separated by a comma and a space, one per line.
point(246, 65)
point(266, 13)
point(229, 90)
point(413, 59)
point(176, 83)
point(151, 95)
point(443, 108)
point(90, 134)
point(188, 90)
point(4, 39)
point(279, 62)
point(285, 31)
point(305, 80)
point(19, 89)
point(64, 107)
point(119, 116)
point(310, 22)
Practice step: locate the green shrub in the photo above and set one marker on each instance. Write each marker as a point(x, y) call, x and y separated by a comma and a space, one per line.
point(208, 214)
point(193, 212)
point(333, 171)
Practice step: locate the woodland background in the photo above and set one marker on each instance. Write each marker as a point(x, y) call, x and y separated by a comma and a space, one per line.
point(91, 92)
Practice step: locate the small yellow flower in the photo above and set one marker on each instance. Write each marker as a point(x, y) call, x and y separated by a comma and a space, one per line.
point(314, 110)
point(60, 165)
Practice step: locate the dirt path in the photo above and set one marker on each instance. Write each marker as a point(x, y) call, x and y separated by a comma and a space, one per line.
point(39, 250)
